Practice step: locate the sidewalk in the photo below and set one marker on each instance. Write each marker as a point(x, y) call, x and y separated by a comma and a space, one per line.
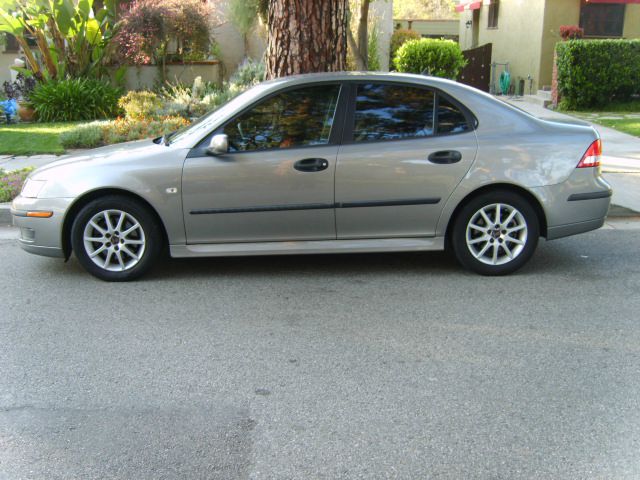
point(620, 160)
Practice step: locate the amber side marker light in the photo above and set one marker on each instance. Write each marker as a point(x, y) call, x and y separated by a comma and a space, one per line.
point(40, 214)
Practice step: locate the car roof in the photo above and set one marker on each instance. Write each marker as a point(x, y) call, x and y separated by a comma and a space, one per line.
point(361, 75)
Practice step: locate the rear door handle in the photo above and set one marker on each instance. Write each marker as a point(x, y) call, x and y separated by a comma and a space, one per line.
point(445, 157)
point(311, 165)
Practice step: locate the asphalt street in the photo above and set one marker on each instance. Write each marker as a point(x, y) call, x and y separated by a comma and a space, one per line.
point(338, 367)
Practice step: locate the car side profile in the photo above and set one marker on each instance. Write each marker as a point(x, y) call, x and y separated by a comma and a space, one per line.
point(325, 163)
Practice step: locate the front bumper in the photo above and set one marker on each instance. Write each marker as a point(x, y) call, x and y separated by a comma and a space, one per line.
point(41, 236)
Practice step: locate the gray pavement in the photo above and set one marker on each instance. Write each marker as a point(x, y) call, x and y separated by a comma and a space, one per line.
point(338, 367)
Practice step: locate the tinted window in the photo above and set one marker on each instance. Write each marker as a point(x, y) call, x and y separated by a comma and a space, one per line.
point(602, 19)
point(388, 112)
point(290, 119)
point(450, 118)
point(494, 10)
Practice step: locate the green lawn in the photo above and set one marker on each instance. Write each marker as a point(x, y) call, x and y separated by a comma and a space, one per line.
point(626, 125)
point(32, 138)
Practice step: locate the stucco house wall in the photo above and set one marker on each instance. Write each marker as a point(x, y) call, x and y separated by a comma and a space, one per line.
point(430, 28)
point(6, 61)
point(517, 39)
point(527, 33)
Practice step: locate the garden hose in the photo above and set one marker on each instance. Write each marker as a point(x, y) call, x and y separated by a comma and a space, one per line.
point(505, 82)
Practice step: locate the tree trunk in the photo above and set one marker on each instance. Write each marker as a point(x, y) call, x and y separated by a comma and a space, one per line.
point(306, 36)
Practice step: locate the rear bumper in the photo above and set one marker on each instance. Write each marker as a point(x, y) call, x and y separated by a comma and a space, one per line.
point(576, 206)
point(574, 228)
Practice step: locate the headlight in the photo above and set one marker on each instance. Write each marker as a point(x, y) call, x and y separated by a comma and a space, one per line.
point(31, 188)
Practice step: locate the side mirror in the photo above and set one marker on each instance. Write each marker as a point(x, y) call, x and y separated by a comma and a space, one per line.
point(219, 145)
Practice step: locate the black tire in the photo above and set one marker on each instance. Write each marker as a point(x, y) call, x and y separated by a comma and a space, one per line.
point(138, 249)
point(508, 245)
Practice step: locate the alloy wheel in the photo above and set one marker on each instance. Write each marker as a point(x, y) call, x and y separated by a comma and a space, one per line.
point(496, 234)
point(114, 240)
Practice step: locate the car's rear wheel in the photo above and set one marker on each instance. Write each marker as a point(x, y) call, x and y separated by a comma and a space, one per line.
point(495, 233)
point(116, 238)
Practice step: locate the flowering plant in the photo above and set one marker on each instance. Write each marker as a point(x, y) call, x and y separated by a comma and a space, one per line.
point(152, 29)
point(11, 183)
point(571, 32)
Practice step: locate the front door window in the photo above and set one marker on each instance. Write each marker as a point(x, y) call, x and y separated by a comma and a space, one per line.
point(296, 118)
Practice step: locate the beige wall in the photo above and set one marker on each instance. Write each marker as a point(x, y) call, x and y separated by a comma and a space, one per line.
point(632, 22)
point(148, 76)
point(382, 13)
point(447, 28)
point(6, 61)
point(517, 39)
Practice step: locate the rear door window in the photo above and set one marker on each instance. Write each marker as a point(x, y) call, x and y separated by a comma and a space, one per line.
point(392, 112)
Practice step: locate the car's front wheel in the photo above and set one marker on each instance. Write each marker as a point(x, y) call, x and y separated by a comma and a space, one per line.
point(116, 238)
point(495, 233)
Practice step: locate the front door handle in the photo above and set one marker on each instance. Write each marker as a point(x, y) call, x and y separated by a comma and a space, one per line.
point(311, 165)
point(445, 157)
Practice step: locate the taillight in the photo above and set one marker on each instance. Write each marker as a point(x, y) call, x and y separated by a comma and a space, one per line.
point(591, 158)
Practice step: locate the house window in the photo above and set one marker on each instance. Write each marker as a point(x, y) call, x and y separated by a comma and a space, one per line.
point(11, 44)
point(494, 9)
point(602, 19)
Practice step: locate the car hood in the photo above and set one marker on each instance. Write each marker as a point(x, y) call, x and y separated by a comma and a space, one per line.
point(121, 152)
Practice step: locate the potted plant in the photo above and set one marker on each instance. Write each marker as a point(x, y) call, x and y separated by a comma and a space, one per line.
point(19, 91)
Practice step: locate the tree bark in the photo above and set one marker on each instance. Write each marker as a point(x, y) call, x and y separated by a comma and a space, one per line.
point(306, 36)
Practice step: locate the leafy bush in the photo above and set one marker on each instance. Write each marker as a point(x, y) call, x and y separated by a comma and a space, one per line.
point(149, 27)
point(75, 99)
point(137, 105)
point(571, 32)
point(88, 135)
point(96, 134)
point(248, 74)
point(399, 38)
point(440, 58)
point(11, 183)
point(595, 72)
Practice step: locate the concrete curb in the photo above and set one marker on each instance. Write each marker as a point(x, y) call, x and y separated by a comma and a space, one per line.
point(614, 212)
point(5, 214)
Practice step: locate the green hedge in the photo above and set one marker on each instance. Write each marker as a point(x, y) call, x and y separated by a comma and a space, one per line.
point(440, 58)
point(592, 73)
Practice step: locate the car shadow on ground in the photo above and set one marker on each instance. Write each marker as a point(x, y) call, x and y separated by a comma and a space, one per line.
point(557, 257)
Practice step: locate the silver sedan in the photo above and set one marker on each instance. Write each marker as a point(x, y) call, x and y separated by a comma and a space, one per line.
point(325, 163)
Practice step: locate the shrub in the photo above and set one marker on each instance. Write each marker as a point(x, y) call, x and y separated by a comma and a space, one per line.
point(440, 58)
point(142, 104)
point(248, 73)
point(595, 72)
point(11, 183)
point(571, 32)
point(399, 38)
point(100, 133)
point(88, 135)
point(75, 99)
point(149, 27)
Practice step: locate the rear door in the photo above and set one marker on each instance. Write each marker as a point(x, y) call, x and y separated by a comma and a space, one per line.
point(408, 148)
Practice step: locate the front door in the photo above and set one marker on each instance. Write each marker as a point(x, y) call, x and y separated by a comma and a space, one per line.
point(409, 149)
point(277, 180)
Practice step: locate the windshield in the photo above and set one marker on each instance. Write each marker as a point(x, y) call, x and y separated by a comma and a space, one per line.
point(204, 124)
